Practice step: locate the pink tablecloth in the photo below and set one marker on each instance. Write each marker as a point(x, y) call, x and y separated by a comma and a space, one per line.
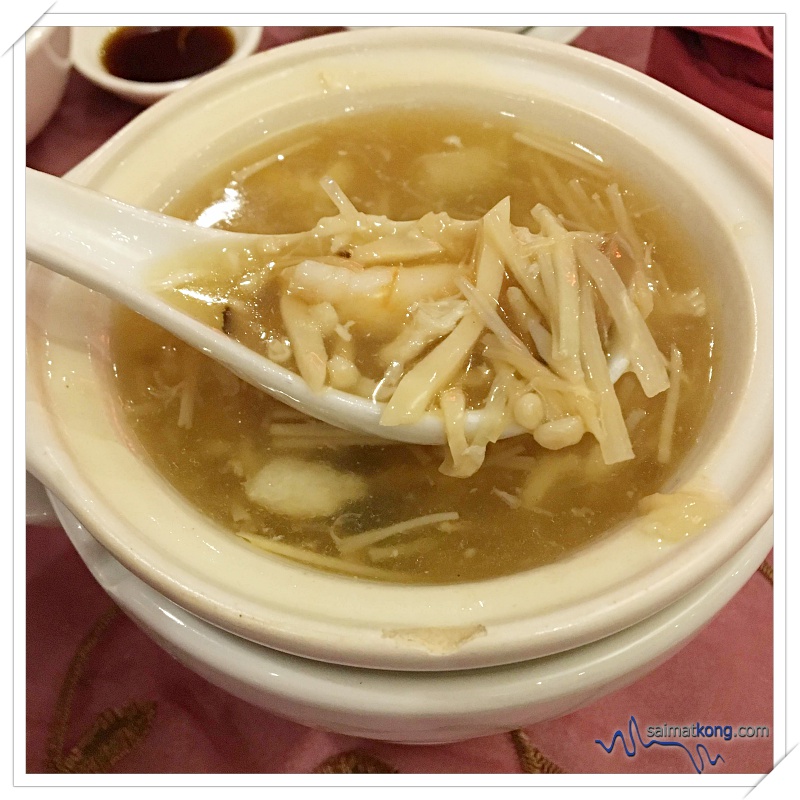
point(102, 697)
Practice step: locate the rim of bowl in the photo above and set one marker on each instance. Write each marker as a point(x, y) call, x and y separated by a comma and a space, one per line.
point(86, 46)
point(337, 641)
point(421, 706)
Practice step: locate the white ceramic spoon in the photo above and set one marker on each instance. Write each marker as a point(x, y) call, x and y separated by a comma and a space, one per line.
point(112, 247)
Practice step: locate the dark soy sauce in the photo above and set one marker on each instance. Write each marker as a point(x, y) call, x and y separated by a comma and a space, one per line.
point(158, 55)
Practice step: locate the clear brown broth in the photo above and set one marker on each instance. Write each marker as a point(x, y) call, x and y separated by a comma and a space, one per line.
point(377, 162)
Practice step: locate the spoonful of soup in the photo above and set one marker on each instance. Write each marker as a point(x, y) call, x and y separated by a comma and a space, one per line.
point(428, 331)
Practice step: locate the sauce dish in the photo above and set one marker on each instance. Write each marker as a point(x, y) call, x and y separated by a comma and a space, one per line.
point(87, 50)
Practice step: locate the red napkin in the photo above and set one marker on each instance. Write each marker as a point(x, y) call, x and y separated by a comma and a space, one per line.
point(727, 69)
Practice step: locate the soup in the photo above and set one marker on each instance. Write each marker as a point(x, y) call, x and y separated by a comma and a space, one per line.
point(472, 510)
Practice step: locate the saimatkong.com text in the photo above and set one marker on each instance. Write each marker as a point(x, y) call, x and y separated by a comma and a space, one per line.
point(697, 730)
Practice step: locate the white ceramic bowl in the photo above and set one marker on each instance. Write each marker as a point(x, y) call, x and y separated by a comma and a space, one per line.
point(47, 68)
point(86, 54)
point(689, 156)
point(416, 707)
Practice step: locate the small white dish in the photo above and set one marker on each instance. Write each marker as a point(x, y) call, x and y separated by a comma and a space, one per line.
point(47, 68)
point(87, 49)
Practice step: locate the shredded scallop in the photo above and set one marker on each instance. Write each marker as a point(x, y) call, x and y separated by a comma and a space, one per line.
point(357, 541)
point(533, 326)
point(667, 429)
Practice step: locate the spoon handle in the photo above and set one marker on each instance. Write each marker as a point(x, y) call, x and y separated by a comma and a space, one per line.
point(94, 239)
point(111, 247)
